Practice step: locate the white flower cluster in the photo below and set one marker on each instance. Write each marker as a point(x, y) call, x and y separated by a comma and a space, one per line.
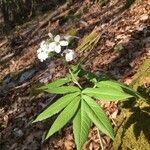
point(54, 44)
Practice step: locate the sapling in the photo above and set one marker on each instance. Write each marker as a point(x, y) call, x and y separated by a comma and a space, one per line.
point(77, 102)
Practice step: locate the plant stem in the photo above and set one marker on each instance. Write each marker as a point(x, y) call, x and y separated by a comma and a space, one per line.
point(100, 140)
point(74, 79)
point(72, 76)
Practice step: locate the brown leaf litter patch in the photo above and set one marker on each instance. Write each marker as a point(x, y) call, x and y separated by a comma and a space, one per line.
point(123, 44)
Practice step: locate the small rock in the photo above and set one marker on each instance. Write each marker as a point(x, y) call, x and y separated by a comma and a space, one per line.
point(28, 74)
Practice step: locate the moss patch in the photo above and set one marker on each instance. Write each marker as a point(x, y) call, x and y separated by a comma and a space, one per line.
point(134, 120)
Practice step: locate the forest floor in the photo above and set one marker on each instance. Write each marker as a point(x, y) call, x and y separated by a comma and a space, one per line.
point(123, 29)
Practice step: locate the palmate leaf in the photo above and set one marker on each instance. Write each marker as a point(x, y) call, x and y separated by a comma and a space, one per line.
point(64, 116)
point(56, 83)
point(98, 116)
point(110, 84)
point(56, 107)
point(63, 89)
point(105, 93)
point(81, 126)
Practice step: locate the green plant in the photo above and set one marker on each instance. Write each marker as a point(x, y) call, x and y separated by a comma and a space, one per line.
point(78, 102)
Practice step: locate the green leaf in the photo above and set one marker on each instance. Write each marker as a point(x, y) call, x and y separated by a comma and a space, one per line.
point(63, 89)
point(129, 90)
point(109, 85)
point(64, 116)
point(79, 71)
point(98, 116)
point(91, 77)
point(81, 126)
point(55, 83)
point(74, 78)
point(76, 69)
point(105, 93)
point(118, 86)
point(56, 107)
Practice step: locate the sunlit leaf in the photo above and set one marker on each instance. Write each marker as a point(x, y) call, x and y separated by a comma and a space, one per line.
point(63, 90)
point(81, 126)
point(98, 116)
point(110, 84)
point(55, 83)
point(64, 116)
point(108, 94)
point(56, 107)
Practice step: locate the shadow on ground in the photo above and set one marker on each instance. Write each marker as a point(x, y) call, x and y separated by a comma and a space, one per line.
point(27, 106)
point(133, 131)
point(132, 50)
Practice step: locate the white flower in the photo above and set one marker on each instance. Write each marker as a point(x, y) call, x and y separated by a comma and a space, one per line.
point(44, 45)
point(56, 44)
point(42, 52)
point(70, 55)
point(42, 55)
point(52, 45)
point(51, 36)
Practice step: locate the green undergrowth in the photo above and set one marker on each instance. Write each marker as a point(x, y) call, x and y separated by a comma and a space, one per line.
point(134, 120)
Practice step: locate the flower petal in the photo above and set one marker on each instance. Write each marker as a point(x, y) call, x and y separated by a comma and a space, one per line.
point(39, 50)
point(70, 55)
point(42, 56)
point(44, 46)
point(51, 47)
point(64, 43)
point(57, 38)
point(57, 48)
point(42, 43)
point(50, 35)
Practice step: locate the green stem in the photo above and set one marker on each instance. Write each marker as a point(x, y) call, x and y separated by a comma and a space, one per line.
point(72, 76)
point(74, 79)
